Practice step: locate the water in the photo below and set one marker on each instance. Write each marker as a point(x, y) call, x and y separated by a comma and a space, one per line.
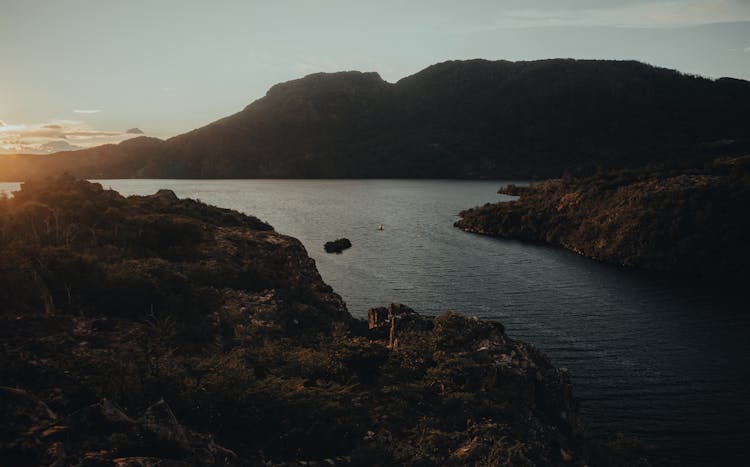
point(651, 355)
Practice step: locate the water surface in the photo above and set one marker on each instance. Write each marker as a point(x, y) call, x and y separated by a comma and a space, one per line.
point(651, 355)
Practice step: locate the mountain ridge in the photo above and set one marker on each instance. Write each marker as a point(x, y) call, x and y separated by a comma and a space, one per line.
point(455, 119)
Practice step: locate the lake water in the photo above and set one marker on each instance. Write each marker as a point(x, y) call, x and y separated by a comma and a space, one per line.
point(654, 356)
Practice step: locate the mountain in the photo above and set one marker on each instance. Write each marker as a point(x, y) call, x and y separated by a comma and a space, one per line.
point(472, 119)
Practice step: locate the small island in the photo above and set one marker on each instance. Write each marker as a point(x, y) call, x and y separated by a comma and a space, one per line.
point(337, 246)
point(681, 217)
point(153, 330)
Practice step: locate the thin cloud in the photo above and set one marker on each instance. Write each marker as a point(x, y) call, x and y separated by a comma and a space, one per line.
point(58, 145)
point(86, 111)
point(60, 135)
point(662, 14)
point(746, 49)
point(89, 133)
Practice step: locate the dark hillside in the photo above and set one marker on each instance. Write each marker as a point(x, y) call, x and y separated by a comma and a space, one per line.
point(475, 119)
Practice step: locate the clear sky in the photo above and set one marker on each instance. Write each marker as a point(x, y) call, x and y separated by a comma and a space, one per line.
point(81, 72)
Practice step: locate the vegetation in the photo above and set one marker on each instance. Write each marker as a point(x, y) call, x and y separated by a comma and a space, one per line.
point(683, 218)
point(221, 335)
point(472, 119)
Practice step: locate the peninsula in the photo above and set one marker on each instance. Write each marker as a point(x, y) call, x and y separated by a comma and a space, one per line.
point(686, 218)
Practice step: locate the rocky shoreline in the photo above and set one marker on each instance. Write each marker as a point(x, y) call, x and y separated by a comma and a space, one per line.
point(151, 330)
point(684, 219)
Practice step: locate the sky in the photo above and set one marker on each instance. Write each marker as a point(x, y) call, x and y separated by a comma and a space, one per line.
point(79, 73)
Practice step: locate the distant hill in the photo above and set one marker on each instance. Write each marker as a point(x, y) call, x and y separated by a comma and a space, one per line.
point(471, 119)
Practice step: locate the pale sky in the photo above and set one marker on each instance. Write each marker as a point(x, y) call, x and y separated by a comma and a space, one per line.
point(77, 73)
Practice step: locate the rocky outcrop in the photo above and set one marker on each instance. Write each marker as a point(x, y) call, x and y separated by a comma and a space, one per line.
point(159, 331)
point(337, 246)
point(491, 362)
point(684, 219)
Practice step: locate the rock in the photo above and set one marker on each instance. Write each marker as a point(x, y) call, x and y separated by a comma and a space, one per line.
point(100, 458)
point(55, 433)
point(337, 246)
point(466, 451)
point(207, 452)
point(513, 190)
point(103, 417)
point(56, 454)
point(103, 324)
point(147, 462)
point(160, 427)
point(22, 411)
point(166, 195)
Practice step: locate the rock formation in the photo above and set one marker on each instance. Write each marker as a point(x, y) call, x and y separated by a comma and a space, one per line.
point(337, 246)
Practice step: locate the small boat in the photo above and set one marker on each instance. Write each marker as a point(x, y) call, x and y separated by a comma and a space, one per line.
point(380, 227)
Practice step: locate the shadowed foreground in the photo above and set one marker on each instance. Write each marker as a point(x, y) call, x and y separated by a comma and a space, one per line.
point(151, 330)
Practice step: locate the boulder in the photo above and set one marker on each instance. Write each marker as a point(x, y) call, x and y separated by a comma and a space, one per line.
point(161, 429)
point(102, 417)
point(147, 462)
point(22, 411)
point(337, 246)
point(166, 195)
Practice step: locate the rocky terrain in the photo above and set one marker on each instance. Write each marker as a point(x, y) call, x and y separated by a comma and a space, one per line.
point(465, 119)
point(148, 331)
point(683, 218)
